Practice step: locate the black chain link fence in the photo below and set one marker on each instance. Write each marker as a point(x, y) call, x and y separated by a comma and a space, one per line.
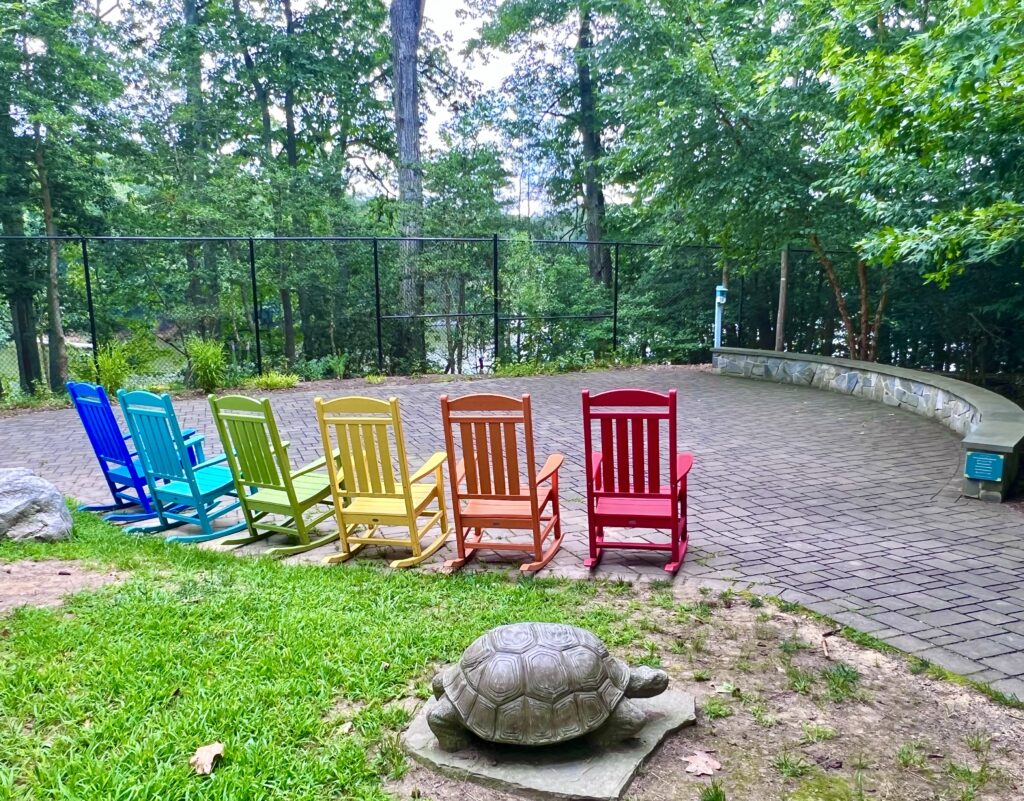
point(138, 309)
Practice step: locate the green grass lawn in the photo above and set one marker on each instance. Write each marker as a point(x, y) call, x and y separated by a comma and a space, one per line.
point(108, 696)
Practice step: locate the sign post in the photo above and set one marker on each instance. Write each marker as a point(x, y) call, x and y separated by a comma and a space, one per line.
point(721, 293)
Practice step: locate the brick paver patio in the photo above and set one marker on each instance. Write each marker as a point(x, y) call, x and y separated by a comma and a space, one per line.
point(846, 506)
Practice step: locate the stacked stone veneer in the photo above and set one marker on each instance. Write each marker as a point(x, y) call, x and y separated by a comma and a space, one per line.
point(989, 423)
point(906, 393)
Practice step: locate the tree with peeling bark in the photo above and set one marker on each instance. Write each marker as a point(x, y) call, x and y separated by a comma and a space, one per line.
point(406, 19)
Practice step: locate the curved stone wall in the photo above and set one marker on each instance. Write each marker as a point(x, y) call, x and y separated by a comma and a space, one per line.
point(992, 426)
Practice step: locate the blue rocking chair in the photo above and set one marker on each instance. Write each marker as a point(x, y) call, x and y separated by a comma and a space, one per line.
point(119, 464)
point(181, 491)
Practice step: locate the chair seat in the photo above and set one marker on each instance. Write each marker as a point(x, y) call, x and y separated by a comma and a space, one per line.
point(639, 509)
point(370, 507)
point(121, 471)
point(309, 488)
point(215, 479)
point(513, 508)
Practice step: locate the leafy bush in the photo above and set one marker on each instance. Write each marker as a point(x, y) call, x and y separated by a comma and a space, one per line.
point(207, 364)
point(332, 366)
point(272, 380)
point(113, 360)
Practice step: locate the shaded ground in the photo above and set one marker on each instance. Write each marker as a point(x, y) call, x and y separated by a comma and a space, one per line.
point(847, 506)
point(791, 720)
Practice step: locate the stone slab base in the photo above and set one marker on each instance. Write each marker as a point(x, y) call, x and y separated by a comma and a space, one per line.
point(575, 770)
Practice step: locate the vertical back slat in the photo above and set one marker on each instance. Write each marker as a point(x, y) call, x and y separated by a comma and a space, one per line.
point(384, 455)
point(607, 465)
point(469, 457)
point(374, 466)
point(345, 453)
point(482, 457)
point(512, 458)
point(497, 458)
point(622, 453)
point(362, 483)
point(653, 456)
point(638, 454)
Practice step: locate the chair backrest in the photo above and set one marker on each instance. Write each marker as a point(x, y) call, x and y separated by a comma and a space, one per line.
point(631, 425)
point(156, 434)
point(494, 434)
point(367, 432)
point(249, 434)
point(97, 415)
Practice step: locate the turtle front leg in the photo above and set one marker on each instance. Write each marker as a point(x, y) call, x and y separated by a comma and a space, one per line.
point(447, 726)
point(626, 720)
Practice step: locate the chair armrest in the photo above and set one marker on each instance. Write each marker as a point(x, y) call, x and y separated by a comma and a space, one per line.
point(212, 461)
point(186, 433)
point(321, 462)
point(195, 439)
point(684, 461)
point(432, 465)
point(550, 467)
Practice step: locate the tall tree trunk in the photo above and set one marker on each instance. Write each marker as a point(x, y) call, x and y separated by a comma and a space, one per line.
point(57, 347)
point(20, 291)
point(780, 319)
point(599, 257)
point(406, 18)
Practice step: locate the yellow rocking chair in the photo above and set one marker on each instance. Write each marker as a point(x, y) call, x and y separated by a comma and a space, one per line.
point(371, 494)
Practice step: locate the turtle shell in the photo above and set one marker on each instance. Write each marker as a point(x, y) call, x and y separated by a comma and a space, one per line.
point(535, 684)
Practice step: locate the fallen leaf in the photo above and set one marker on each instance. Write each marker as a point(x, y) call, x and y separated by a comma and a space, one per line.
point(701, 763)
point(206, 757)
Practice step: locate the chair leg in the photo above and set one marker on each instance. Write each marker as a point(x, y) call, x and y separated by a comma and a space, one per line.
point(465, 554)
point(421, 554)
point(595, 552)
point(346, 549)
point(206, 525)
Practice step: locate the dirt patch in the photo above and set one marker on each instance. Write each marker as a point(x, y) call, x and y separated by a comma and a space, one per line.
point(792, 720)
point(46, 583)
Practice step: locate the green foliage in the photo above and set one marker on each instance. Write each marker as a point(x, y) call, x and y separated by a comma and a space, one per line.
point(712, 792)
point(841, 681)
point(791, 767)
point(816, 733)
point(207, 364)
point(115, 690)
point(272, 380)
point(715, 707)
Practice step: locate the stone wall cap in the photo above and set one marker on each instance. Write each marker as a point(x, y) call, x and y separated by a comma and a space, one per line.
point(1001, 428)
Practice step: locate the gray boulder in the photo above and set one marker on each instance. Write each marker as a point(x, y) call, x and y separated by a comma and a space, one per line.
point(31, 508)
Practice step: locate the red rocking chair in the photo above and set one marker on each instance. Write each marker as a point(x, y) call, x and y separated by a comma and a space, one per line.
point(630, 483)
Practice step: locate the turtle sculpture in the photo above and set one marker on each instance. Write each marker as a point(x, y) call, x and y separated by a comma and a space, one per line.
point(539, 684)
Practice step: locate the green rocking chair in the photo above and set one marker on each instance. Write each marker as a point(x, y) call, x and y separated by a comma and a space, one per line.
point(264, 481)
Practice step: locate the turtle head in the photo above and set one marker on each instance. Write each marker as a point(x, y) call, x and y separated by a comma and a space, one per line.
point(645, 682)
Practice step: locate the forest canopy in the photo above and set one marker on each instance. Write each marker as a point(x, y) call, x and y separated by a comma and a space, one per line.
point(870, 152)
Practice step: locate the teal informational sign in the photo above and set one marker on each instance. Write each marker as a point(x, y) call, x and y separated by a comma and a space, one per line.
point(984, 466)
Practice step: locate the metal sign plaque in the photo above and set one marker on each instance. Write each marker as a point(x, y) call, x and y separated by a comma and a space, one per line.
point(983, 466)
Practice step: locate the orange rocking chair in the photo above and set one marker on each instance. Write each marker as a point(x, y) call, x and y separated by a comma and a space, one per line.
point(490, 487)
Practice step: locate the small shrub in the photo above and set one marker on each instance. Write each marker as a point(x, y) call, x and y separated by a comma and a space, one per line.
point(791, 767)
point(272, 380)
point(792, 645)
point(207, 363)
point(816, 733)
point(909, 756)
point(800, 681)
point(841, 680)
point(755, 602)
point(115, 370)
point(702, 674)
point(712, 792)
point(715, 708)
point(376, 378)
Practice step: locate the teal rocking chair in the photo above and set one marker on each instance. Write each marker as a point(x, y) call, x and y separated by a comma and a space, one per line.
point(182, 493)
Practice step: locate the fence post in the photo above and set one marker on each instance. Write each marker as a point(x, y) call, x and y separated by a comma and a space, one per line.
point(256, 310)
point(615, 302)
point(376, 297)
point(90, 307)
point(497, 303)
